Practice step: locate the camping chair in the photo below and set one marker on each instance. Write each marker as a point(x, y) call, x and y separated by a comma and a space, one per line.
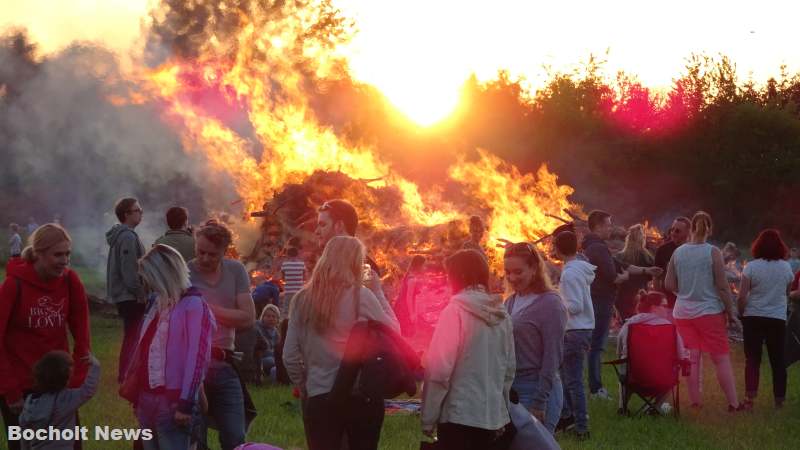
point(652, 368)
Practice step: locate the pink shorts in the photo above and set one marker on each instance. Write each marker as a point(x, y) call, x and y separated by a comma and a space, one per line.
point(707, 333)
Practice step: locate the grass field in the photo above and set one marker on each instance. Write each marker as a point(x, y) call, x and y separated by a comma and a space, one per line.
point(279, 421)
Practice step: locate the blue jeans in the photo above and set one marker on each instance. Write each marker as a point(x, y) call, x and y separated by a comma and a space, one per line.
point(225, 404)
point(603, 311)
point(526, 387)
point(157, 412)
point(576, 346)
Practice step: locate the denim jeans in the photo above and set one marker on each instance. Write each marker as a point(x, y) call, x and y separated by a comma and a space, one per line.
point(603, 311)
point(131, 313)
point(157, 412)
point(225, 404)
point(576, 346)
point(526, 386)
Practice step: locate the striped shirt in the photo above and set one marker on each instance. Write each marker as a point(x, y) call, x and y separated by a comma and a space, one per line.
point(293, 275)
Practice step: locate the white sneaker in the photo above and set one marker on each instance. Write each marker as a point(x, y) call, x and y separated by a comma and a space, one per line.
point(601, 394)
point(665, 408)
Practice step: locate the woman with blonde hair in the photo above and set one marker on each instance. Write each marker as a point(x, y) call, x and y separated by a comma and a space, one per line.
point(322, 315)
point(635, 253)
point(540, 321)
point(704, 307)
point(41, 301)
point(173, 352)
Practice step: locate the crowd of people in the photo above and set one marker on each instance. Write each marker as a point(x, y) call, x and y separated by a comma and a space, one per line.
point(192, 321)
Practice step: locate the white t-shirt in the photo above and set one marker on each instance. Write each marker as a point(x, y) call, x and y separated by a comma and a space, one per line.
point(768, 281)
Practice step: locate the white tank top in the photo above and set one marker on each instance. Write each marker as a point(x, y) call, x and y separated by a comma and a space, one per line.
point(697, 293)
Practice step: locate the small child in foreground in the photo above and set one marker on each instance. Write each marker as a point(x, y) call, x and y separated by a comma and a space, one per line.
point(51, 403)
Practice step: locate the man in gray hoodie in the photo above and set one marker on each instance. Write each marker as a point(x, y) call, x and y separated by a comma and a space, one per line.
point(123, 285)
point(576, 279)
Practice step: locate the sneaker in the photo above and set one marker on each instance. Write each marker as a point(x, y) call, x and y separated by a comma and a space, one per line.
point(565, 424)
point(741, 408)
point(665, 408)
point(601, 394)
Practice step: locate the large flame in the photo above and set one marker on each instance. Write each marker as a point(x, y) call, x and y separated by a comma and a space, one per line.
point(263, 73)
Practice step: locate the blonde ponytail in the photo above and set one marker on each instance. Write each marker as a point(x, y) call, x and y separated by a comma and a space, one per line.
point(43, 238)
point(701, 225)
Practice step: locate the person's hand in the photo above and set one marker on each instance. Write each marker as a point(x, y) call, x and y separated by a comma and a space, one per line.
point(733, 319)
point(538, 413)
point(429, 430)
point(90, 359)
point(654, 271)
point(183, 420)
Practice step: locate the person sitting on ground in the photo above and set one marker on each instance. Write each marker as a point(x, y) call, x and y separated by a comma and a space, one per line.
point(652, 309)
point(763, 305)
point(179, 236)
point(52, 404)
point(267, 327)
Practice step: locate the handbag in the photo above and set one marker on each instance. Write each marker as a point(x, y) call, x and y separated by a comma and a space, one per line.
point(136, 375)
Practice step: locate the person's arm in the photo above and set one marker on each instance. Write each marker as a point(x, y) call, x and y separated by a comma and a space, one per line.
point(8, 383)
point(377, 309)
point(552, 334)
point(723, 287)
point(198, 326)
point(78, 321)
point(72, 399)
point(243, 314)
point(292, 348)
point(129, 265)
point(440, 362)
point(744, 291)
point(671, 280)
point(570, 288)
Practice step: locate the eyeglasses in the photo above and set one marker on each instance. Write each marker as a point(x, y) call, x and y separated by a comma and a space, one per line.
point(139, 210)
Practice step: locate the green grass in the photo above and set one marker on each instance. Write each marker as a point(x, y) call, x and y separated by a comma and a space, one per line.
point(279, 419)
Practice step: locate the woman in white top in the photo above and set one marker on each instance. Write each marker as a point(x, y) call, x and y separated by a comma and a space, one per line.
point(321, 318)
point(704, 305)
point(763, 303)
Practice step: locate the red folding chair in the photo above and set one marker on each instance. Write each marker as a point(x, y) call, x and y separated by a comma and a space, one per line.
point(652, 368)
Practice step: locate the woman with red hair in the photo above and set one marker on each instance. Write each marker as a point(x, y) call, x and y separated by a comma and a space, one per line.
point(763, 304)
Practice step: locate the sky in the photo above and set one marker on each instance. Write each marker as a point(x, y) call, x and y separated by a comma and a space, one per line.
point(419, 52)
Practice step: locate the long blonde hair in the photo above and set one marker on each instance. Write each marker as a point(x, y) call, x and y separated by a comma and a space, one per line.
point(164, 271)
point(634, 248)
point(44, 238)
point(338, 270)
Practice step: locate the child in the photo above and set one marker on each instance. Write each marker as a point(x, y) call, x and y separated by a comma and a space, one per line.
point(267, 328)
point(652, 310)
point(293, 271)
point(52, 404)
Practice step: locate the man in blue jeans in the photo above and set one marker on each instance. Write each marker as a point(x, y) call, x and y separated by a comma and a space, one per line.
point(576, 277)
point(608, 274)
point(226, 289)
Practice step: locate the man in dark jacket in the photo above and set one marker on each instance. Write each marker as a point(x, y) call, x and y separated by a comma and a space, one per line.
point(608, 274)
point(123, 285)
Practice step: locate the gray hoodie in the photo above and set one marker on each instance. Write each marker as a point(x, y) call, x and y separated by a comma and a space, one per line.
point(122, 273)
point(470, 365)
point(57, 409)
point(576, 279)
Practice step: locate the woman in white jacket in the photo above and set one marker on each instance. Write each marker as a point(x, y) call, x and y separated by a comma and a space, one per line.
point(470, 364)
